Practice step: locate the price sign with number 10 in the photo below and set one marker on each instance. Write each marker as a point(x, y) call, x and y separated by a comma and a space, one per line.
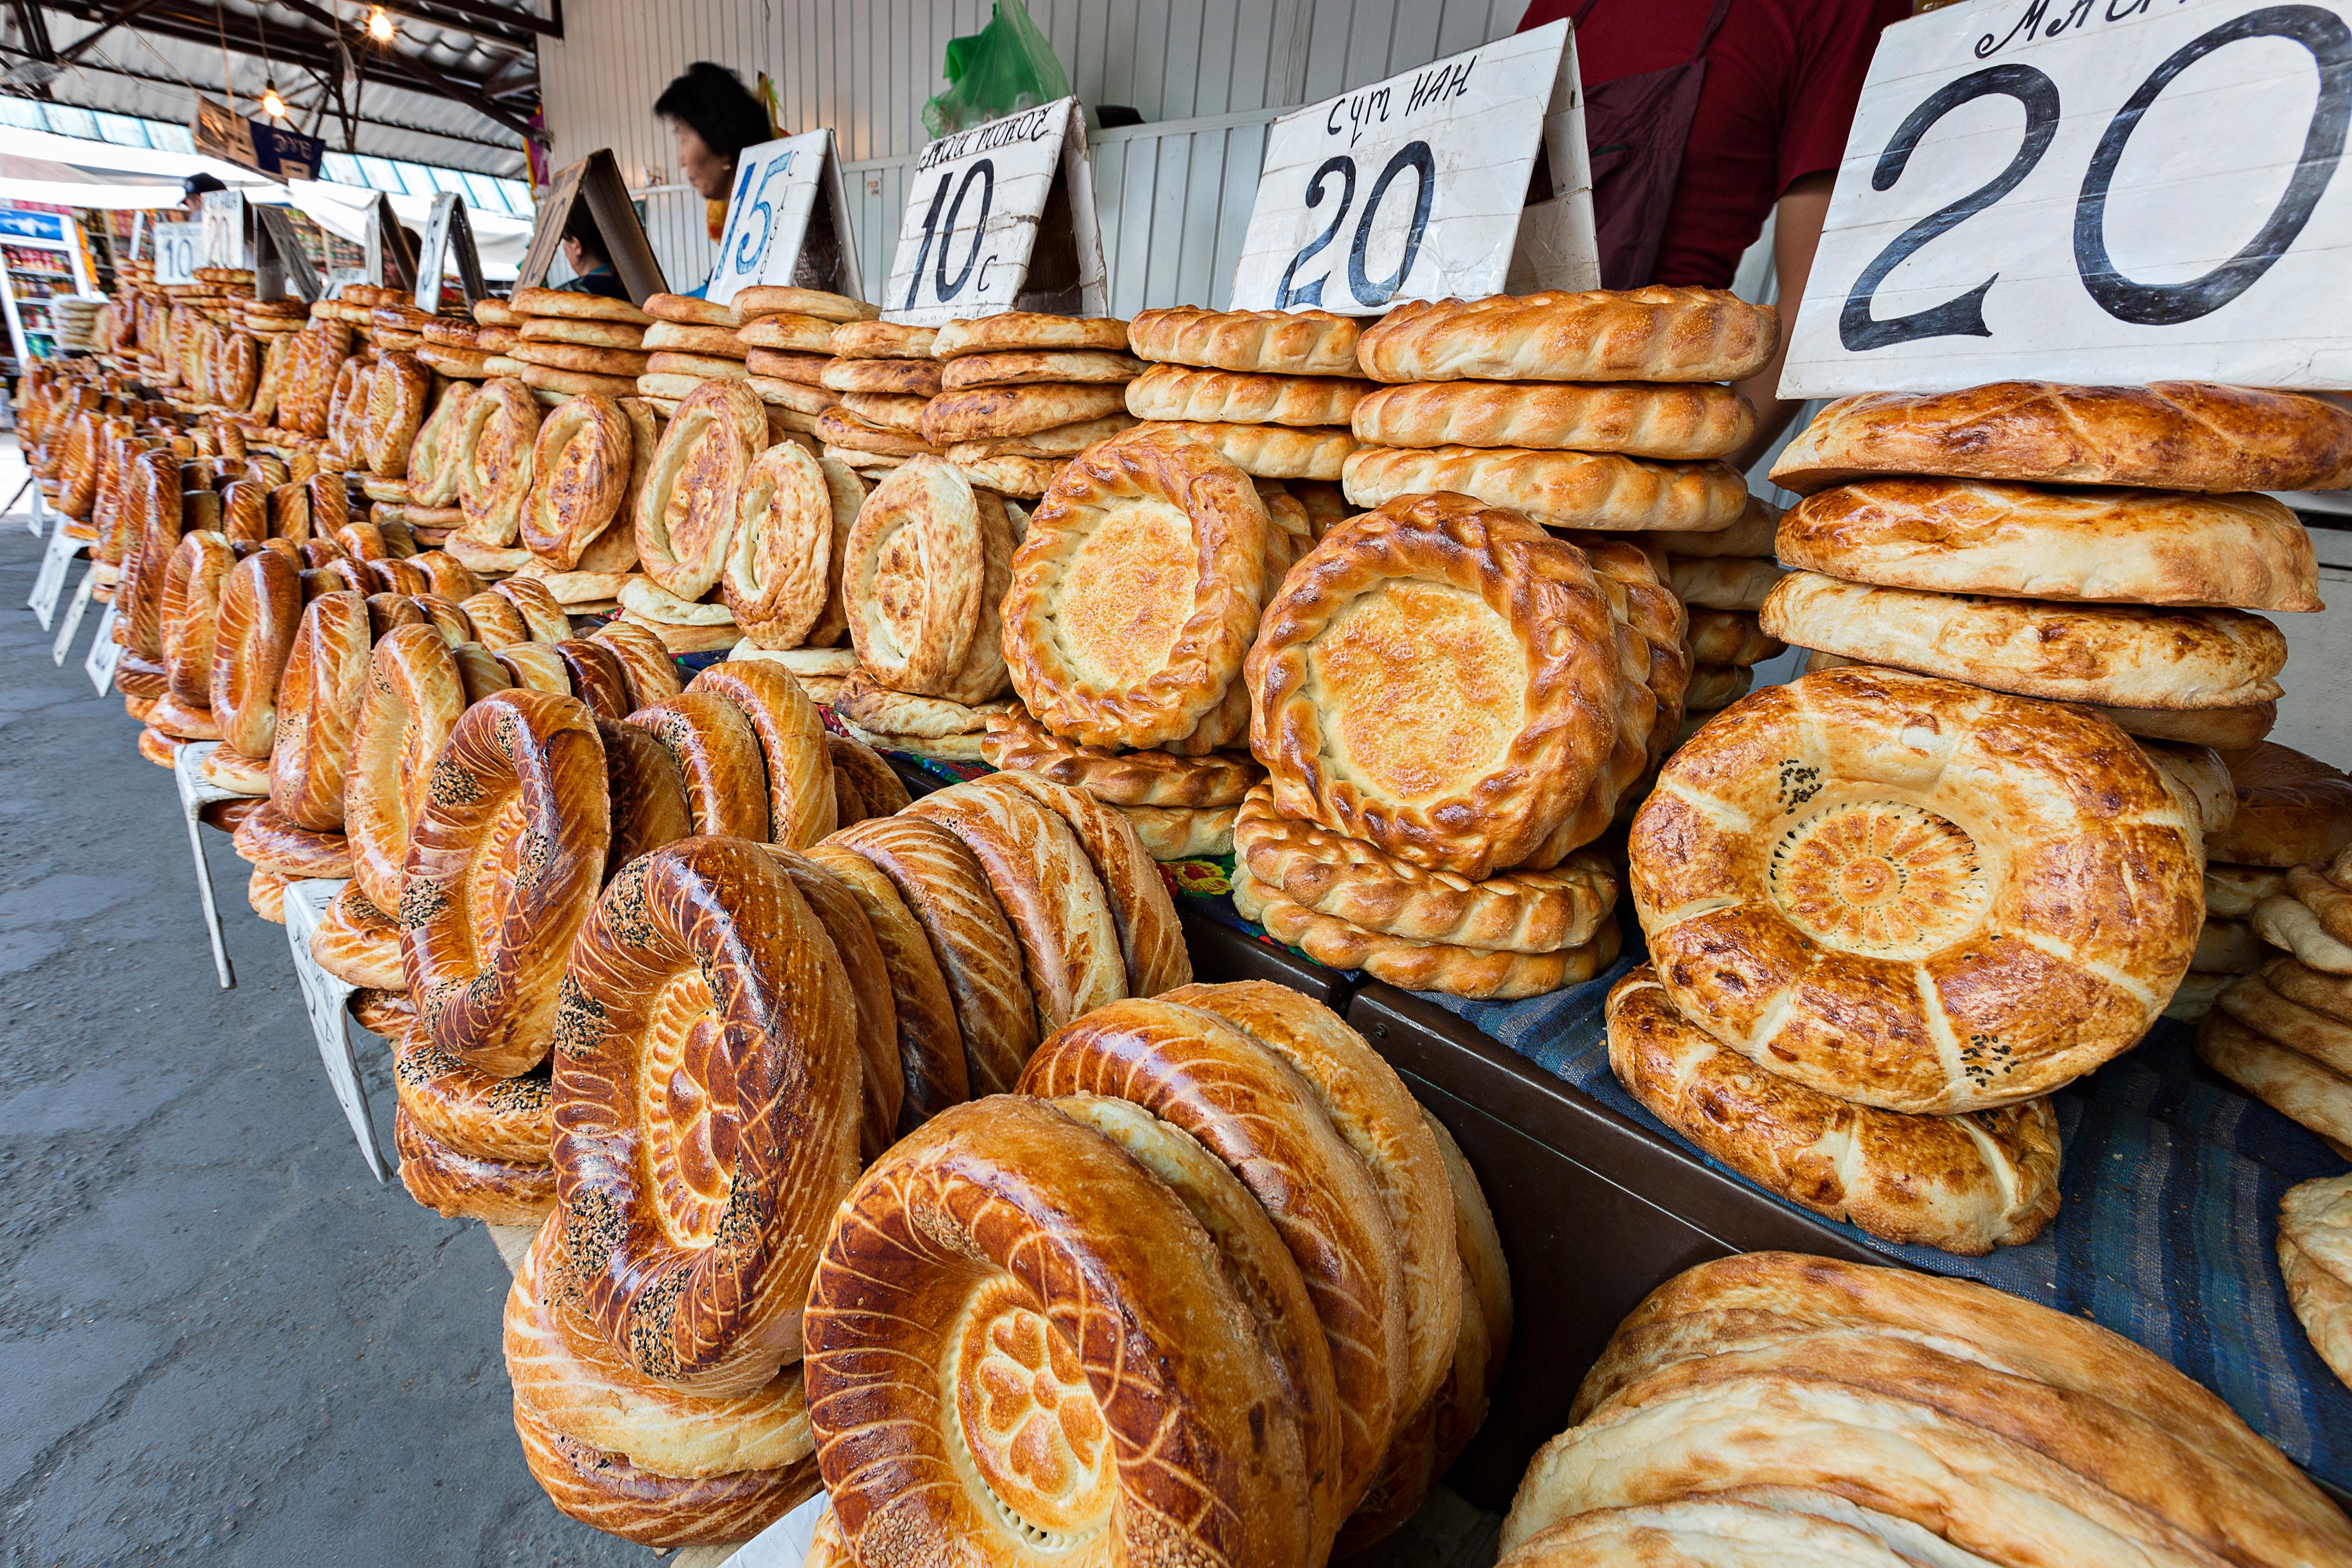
point(779, 186)
point(2112, 191)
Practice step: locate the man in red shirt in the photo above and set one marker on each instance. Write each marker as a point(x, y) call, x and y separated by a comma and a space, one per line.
point(1766, 131)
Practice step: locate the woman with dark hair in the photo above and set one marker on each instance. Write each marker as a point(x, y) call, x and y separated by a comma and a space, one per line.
point(715, 117)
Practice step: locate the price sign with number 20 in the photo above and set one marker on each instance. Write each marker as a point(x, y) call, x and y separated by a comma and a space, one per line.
point(2111, 190)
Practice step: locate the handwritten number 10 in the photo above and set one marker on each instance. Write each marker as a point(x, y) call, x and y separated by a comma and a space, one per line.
point(1368, 290)
point(937, 233)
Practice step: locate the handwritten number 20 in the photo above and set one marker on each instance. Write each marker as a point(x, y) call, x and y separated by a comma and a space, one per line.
point(2330, 43)
point(1368, 290)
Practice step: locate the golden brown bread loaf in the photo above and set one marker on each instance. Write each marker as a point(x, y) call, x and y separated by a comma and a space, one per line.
point(1281, 342)
point(2131, 546)
point(496, 443)
point(1006, 367)
point(913, 573)
point(1652, 334)
point(1268, 451)
point(233, 770)
point(193, 585)
point(1016, 741)
point(265, 891)
point(844, 921)
point(951, 1392)
point(651, 673)
point(260, 611)
point(1151, 941)
point(357, 943)
point(1850, 876)
point(718, 753)
point(267, 841)
point(435, 458)
point(506, 852)
point(1963, 1185)
point(475, 1113)
point(2293, 809)
point(2314, 1223)
point(981, 414)
point(929, 1042)
point(1011, 330)
point(646, 791)
point(2114, 656)
point(881, 792)
point(683, 512)
point(385, 1013)
point(1558, 489)
point(467, 1186)
point(946, 888)
point(1509, 715)
point(1176, 393)
point(1049, 893)
point(596, 676)
point(799, 764)
point(397, 394)
point(1681, 423)
point(1254, 1110)
point(1089, 656)
point(319, 698)
point(2223, 729)
point(581, 465)
point(793, 514)
point(1730, 637)
point(2171, 436)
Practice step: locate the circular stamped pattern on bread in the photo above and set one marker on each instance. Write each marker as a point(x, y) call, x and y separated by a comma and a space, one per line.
point(1841, 880)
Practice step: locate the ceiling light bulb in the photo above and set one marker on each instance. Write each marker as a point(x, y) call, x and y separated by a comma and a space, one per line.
point(379, 25)
point(272, 105)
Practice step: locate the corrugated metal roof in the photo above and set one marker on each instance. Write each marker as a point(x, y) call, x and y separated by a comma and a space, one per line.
point(152, 67)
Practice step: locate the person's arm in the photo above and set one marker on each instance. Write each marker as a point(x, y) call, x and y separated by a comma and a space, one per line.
point(1796, 234)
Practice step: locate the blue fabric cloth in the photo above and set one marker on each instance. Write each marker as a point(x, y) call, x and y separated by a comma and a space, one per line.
point(2167, 1232)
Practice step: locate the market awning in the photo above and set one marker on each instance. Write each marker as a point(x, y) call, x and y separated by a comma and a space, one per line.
point(65, 185)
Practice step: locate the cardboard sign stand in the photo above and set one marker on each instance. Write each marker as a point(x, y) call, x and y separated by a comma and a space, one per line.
point(195, 794)
point(279, 262)
point(1000, 217)
point(74, 608)
point(1464, 177)
point(449, 226)
point(788, 222)
point(104, 650)
point(50, 581)
point(596, 181)
point(389, 264)
point(39, 513)
point(325, 997)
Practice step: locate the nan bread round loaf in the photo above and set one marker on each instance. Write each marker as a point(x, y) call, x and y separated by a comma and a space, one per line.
point(1656, 333)
point(1558, 489)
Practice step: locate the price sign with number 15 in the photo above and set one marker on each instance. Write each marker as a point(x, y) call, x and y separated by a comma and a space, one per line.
point(778, 188)
point(2100, 191)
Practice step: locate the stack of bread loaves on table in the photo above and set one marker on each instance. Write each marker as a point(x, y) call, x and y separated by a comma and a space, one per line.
point(866, 401)
point(2315, 1254)
point(1020, 394)
point(1722, 577)
point(1271, 390)
point(1776, 1409)
point(786, 339)
point(1304, 1297)
point(569, 342)
point(2283, 1032)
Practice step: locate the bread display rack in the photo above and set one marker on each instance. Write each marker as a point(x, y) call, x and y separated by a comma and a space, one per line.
point(1093, 937)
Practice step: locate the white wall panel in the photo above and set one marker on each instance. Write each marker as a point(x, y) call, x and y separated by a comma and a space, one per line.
point(1175, 193)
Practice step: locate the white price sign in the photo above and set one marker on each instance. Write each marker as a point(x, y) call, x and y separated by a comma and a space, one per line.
point(1418, 187)
point(98, 665)
point(2110, 190)
point(51, 580)
point(224, 226)
point(778, 188)
point(177, 249)
point(974, 233)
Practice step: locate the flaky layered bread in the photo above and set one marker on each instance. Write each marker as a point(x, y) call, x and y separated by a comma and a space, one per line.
point(496, 443)
point(718, 753)
point(471, 1113)
point(2308, 1031)
point(2129, 547)
point(1270, 451)
point(2315, 1251)
point(1683, 423)
point(1176, 393)
point(467, 1186)
point(1279, 342)
point(1558, 489)
point(1652, 334)
point(1350, 880)
point(946, 888)
point(506, 852)
point(701, 940)
point(261, 612)
point(2044, 1438)
point(2109, 654)
point(1136, 593)
point(2298, 1087)
point(2287, 921)
point(914, 575)
point(949, 1382)
point(568, 1380)
point(319, 698)
point(1046, 888)
point(1845, 876)
point(1151, 941)
point(794, 513)
point(2329, 901)
point(2293, 809)
point(1440, 679)
point(1735, 1531)
point(581, 465)
point(1252, 1110)
point(685, 511)
point(1963, 1185)
point(1016, 741)
point(1476, 973)
point(2171, 436)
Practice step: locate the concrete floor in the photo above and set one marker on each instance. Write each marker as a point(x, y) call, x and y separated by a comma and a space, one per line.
point(221, 1341)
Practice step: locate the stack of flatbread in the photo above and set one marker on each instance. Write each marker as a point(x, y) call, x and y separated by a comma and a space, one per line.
point(864, 403)
point(785, 339)
point(568, 342)
point(2315, 1253)
point(1778, 1408)
point(1722, 578)
point(1020, 394)
point(1271, 390)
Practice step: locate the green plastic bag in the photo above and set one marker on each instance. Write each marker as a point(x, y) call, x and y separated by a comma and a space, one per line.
point(1001, 70)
